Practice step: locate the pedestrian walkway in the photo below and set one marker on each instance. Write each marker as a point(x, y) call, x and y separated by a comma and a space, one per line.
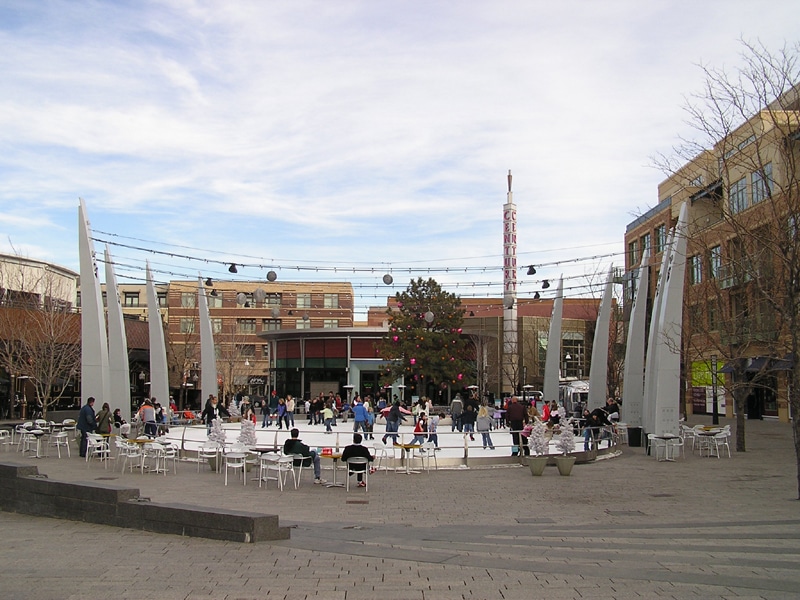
point(629, 527)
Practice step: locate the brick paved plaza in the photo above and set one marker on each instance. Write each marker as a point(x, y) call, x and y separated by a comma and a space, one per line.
point(628, 527)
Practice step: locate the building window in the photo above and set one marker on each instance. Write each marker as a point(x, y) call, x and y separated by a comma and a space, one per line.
point(272, 301)
point(661, 238)
point(331, 301)
point(216, 325)
point(265, 352)
point(761, 183)
point(330, 323)
point(695, 269)
point(187, 325)
point(131, 298)
point(302, 324)
point(246, 325)
point(214, 301)
point(696, 317)
point(303, 301)
point(645, 242)
point(188, 300)
point(633, 252)
point(270, 324)
point(715, 261)
point(246, 350)
point(737, 196)
point(713, 318)
point(162, 299)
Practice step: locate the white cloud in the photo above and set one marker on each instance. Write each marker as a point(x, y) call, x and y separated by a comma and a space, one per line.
point(351, 131)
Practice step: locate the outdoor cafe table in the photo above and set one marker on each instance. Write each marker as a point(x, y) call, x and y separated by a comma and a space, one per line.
point(335, 457)
point(405, 456)
point(706, 438)
point(668, 448)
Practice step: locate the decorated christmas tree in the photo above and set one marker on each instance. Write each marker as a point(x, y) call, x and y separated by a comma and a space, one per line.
point(538, 441)
point(217, 433)
point(247, 436)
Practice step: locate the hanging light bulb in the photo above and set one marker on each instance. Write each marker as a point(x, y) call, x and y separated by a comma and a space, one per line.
point(214, 293)
point(429, 316)
point(209, 283)
point(232, 268)
point(545, 284)
point(272, 276)
point(388, 279)
point(536, 296)
point(531, 270)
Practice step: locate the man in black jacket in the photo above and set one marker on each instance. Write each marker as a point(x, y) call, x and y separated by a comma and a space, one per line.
point(357, 450)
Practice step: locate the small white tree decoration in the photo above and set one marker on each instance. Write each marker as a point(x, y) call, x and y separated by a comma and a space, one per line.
point(217, 433)
point(233, 409)
point(565, 442)
point(538, 441)
point(247, 436)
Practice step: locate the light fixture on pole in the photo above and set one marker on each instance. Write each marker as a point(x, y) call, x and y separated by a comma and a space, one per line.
point(232, 268)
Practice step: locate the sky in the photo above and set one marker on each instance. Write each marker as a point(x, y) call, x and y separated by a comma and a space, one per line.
point(345, 140)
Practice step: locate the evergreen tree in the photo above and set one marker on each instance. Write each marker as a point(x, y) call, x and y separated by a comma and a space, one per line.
point(217, 433)
point(424, 341)
point(247, 435)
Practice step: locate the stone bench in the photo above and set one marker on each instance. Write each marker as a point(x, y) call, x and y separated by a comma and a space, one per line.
point(24, 490)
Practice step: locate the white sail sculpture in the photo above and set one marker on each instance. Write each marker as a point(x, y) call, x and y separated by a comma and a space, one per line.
point(94, 347)
point(208, 361)
point(651, 359)
point(119, 371)
point(598, 371)
point(552, 362)
point(668, 374)
point(159, 377)
point(633, 373)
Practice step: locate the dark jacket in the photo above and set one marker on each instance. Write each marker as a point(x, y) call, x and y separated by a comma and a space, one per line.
point(86, 421)
point(395, 416)
point(354, 450)
point(208, 415)
point(295, 446)
point(516, 412)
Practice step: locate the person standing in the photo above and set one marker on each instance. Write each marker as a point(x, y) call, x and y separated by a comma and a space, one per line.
point(281, 413)
point(516, 416)
point(456, 409)
point(290, 405)
point(103, 419)
point(327, 417)
point(433, 426)
point(213, 410)
point(484, 425)
point(420, 430)
point(468, 421)
point(359, 416)
point(393, 422)
point(86, 424)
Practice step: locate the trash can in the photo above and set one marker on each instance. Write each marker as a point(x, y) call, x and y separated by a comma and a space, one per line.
point(635, 437)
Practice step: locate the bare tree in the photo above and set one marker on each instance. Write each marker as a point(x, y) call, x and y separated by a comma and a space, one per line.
point(741, 177)
point(39, 333)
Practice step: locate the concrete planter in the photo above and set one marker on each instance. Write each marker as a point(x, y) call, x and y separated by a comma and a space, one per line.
point(537, 464)
point(564, 464)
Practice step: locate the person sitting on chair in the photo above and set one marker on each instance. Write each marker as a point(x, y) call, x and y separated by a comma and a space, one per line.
point(294, 446)
point(357, 450)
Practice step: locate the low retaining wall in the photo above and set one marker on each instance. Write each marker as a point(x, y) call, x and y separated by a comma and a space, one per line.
point(24, 490)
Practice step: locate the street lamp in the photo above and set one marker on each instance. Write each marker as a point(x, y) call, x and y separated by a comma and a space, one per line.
point(714, 407)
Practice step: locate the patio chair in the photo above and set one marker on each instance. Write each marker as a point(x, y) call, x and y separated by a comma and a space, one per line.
point(358, 465)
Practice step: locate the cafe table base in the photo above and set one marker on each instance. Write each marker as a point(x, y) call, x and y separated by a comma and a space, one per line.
point(335, 458)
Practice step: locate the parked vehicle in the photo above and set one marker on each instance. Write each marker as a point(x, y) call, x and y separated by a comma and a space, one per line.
point(573, 395)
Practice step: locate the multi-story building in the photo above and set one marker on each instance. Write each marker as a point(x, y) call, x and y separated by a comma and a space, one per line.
point(742, 255)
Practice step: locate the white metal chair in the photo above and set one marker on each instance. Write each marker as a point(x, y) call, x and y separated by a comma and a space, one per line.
point(238, 462)
point(68, 425)
point(621, 431)
point(170, 454)
point(658, 447)
point(60, 440)
point(21, 430)
point(208, 451)
point(132, 455)
point(381, 453)
point(280, 465)
point(156, 453)
point(428, 452)
point(675, 446)
point(5, 438)
point(299, 461)
point(721, 440)
point(358, 465)
point(97, 447)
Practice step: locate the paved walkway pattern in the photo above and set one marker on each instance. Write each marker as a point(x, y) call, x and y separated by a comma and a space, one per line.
point(628, 527)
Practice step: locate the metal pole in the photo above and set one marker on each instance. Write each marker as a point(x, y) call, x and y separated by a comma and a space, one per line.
point(715, 408)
